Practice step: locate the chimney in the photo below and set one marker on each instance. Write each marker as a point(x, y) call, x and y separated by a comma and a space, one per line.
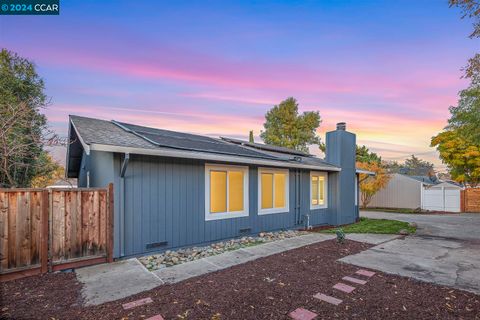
point(340, 151)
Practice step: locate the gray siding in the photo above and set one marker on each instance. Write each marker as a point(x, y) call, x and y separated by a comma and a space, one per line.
point(400, 192)
point(165, 201)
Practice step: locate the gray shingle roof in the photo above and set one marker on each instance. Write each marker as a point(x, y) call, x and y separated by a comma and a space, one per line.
point(106, 132)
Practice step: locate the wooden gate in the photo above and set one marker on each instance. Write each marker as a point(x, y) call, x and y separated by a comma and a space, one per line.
point(45, 230)
point(470, 200)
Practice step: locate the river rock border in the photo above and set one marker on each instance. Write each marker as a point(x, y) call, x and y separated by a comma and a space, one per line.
point(174, 257)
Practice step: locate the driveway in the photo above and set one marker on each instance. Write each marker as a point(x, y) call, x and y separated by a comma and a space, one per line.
point(445, 250)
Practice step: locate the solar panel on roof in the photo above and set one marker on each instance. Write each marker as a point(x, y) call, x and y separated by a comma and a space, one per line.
point(267, 147)
point(179, 140)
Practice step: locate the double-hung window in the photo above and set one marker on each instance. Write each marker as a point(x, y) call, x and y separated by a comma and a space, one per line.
point(226, 192)
point(272, 191)
point(318, 190)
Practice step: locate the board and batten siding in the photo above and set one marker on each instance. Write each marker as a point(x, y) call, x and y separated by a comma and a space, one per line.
point(164, 201)
point(400, 192)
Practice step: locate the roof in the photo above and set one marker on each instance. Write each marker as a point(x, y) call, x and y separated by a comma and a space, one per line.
point(112, 136)
point(428, 180)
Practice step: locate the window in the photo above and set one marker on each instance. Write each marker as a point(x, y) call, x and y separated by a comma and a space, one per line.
point(226, 193)
point(318, 190)
point(272, 191)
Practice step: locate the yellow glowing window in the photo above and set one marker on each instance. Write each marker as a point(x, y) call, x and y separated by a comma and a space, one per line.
point(314, 190)
point(267, 190)
point(235, 191)
point(318, 187)
point(218, 191)
point(273, 190)
point(227, 187)
point(279, 190)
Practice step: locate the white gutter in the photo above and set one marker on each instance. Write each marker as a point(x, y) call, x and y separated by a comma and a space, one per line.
point(164, 152)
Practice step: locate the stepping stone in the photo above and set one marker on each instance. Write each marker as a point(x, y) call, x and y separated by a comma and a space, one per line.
point(354, 280)
point(302, 314)
point(328, 299)
point(157, 317)
point(136, 303)
point(343, 287)
point(365, 273)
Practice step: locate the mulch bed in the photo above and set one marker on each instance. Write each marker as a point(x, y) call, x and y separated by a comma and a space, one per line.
point(268, 288)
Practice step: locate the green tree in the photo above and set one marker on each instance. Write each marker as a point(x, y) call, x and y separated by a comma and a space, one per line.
point(366, 156)
point(471, 9)
point(250, 137)
point(465, 117)
point(412, 167)
point(22, 126)
point(285, 127)
point(417, 167)
point(460, 155)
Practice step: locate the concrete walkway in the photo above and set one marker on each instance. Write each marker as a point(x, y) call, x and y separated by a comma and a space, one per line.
point(112, 281)
point(445, 250)
point(109, 282)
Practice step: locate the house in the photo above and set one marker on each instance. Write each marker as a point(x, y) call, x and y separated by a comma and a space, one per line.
point(174, 189)
point(418, 192)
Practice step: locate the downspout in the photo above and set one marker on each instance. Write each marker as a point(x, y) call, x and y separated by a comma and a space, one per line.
point(297, 196)
point(123, 170)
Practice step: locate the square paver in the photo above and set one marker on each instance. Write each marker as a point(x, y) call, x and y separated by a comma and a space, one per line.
point(344, 287)
point(365, 273)
point(354, 280)
point(302, 314)
point(157, 317)
point(136, 303)
point(328, 299)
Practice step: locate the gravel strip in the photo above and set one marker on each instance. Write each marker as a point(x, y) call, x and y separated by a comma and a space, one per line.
point(174, 257)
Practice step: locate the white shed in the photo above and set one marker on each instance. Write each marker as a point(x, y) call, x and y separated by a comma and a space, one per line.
point(415, 192)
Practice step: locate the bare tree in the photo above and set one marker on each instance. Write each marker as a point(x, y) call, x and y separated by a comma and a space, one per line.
point(20, 138)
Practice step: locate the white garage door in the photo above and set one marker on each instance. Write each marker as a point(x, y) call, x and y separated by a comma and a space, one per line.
point(441, 199)
point(452, 200)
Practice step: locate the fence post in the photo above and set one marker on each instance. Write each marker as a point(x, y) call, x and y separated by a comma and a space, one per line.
point(44, 233)
point(462, 200)
point(110, 224)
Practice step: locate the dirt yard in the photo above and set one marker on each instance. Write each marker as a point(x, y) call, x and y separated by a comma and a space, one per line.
point(268, 288)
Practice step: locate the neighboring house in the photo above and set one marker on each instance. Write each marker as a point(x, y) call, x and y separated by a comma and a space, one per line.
point(418, 192)
point(174, 189)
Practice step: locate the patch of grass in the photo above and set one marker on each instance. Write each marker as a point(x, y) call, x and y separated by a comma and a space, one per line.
point(383, 226)
point(394, 210)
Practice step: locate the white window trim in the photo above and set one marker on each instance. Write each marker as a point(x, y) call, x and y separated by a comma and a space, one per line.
point(286, 208)
point(325, 176)
point(225, 215)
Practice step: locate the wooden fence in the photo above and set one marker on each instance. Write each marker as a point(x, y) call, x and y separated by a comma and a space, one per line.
point(45, 230)
point(470, 200)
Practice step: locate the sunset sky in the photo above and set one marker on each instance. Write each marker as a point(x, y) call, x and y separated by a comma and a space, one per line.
point(390, 69)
